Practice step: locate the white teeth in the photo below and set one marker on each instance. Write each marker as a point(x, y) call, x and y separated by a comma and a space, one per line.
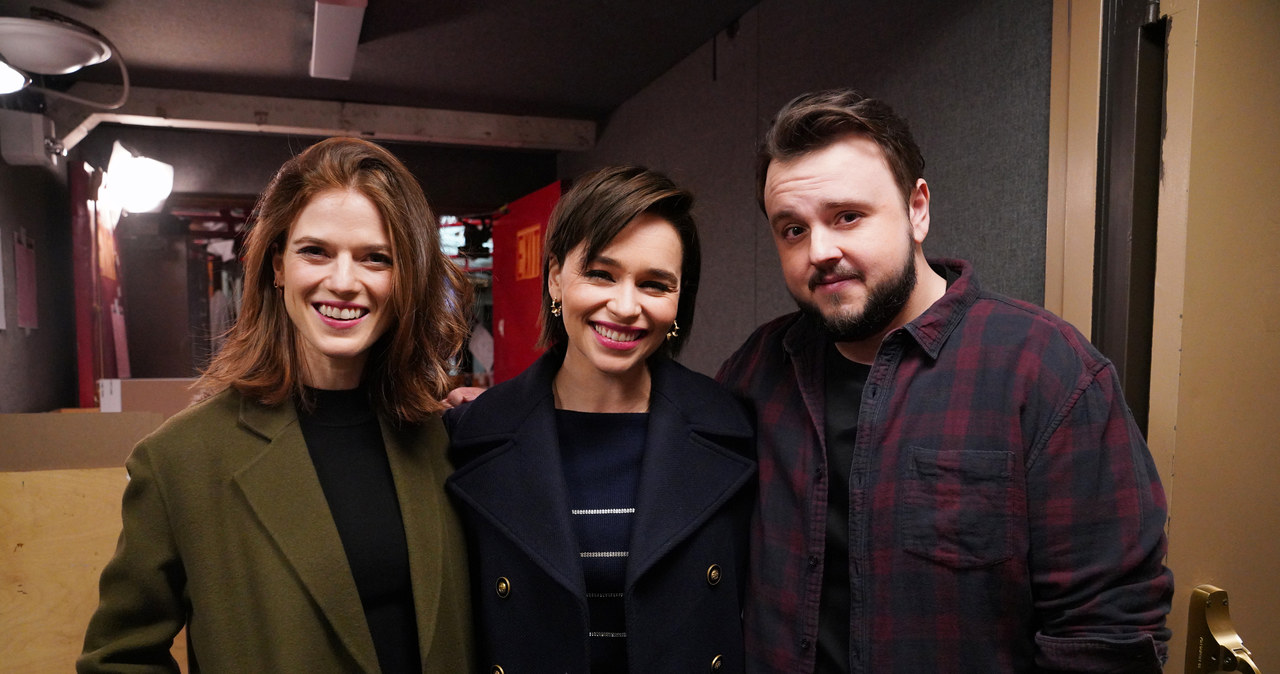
point(615, 335)
point(346, 314)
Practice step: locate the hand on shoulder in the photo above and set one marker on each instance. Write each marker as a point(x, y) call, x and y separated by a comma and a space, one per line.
point(462, 394)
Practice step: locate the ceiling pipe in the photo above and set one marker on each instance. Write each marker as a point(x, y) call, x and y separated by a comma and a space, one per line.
point(265, 114)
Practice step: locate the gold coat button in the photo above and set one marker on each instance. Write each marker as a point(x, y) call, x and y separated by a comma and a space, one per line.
point(504, 588)
point(713, 574)
point(496, 670)
point(716, 663)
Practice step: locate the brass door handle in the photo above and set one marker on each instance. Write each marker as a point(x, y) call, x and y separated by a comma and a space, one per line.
point(1212, 642)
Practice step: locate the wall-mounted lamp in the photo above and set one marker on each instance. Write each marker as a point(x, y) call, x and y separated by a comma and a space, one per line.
point(52, 44)
point(138, 184)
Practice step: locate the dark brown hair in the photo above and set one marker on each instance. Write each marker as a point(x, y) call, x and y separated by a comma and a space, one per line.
point(595, 210)
point(407, 372)
point(812, 121)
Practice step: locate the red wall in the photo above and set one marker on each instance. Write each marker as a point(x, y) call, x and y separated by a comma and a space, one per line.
point(517, 280)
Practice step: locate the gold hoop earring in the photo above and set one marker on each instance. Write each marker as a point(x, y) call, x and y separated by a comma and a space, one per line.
point(556, 307)
point(674, 331)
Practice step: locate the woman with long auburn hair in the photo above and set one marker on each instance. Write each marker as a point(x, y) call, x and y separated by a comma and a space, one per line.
point(296, 519)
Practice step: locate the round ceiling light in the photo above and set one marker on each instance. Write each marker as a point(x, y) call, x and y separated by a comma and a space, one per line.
point(49, 48)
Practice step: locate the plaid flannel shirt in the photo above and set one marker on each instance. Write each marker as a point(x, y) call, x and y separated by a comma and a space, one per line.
point(1005, 512)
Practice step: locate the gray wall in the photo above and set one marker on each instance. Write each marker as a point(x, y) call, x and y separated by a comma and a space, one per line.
point(972, 78)
point(37, 367)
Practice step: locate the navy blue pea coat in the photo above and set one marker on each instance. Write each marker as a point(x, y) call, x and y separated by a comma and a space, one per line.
point(694, 501)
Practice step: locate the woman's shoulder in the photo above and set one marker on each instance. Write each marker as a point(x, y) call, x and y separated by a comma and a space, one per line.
point(211, 425)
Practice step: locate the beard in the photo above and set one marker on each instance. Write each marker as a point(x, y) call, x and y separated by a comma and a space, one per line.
point(884, 303)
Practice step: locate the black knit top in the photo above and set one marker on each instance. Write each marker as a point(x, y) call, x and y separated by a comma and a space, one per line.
point(346, 447)
point(602, 455)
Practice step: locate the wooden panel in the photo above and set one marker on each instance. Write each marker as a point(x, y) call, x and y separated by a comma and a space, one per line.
point(48, 441)
point(58, 528)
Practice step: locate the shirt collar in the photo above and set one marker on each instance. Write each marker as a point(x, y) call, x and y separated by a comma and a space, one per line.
point(930, 329)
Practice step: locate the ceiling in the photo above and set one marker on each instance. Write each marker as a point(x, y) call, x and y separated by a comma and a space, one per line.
point(568, 59)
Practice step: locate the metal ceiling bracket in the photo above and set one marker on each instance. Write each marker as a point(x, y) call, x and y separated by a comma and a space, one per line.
point(293, 116)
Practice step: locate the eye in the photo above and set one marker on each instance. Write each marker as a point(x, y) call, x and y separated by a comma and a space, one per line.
point(311, 251)
point(379, 259)
point(848, 218)
point(791, 232)
point(597, 275)
point(659, 286)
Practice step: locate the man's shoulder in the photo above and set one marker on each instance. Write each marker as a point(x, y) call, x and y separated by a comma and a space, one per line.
point(1012, 321)
point(763, 346)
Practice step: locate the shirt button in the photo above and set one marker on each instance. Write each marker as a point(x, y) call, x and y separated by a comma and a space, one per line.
point(813, 561)
point(822, 470)
point(804, 644)
point(503, 587)
point(713, 574)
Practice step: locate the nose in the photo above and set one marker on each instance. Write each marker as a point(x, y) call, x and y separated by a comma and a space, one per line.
point(342, 276)
point(624, 303)
point(823, 248)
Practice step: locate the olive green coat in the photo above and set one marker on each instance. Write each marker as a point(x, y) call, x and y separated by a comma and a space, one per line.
point(227, 531)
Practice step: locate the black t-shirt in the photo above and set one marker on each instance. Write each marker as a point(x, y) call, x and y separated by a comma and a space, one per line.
point(345, 443)
point(843, 391)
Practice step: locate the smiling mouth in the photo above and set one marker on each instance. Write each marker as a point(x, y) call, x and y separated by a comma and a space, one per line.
point(617, 335)
point(820, 280)
point(341, 313)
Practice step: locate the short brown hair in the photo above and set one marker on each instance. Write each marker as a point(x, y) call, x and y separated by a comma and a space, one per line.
point(595, 210)
point(812, 121)
point(408, 370)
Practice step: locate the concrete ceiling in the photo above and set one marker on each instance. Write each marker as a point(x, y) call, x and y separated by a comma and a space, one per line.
point(554, 64)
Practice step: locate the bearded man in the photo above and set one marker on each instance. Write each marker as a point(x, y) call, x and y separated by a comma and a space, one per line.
point(950, 480)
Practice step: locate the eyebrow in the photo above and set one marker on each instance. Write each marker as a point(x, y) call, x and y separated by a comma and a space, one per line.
point(663, 274)
point(380, 248)
point(833, 205)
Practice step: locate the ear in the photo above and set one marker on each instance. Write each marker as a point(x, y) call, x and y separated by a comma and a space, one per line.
point(553, 278)
point(277, 265)
point(918, 211)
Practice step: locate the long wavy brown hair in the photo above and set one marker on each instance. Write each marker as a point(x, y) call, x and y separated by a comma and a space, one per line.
point(408, 370)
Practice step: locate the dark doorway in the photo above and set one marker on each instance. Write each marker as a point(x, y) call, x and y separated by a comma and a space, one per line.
point(1130, 134)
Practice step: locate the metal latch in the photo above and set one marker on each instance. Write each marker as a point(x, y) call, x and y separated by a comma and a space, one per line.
point(1212, 642)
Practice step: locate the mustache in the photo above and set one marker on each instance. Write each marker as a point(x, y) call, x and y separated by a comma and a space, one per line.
point(834, 274)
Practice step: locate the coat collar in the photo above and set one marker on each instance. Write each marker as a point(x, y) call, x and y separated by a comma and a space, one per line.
point(510, 434)
point(698, 400)
point(282, 488)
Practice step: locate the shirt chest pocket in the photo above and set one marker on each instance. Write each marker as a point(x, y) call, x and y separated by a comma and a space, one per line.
point(958, 507)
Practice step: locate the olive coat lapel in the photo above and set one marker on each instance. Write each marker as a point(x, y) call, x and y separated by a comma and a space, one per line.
point(284, 493)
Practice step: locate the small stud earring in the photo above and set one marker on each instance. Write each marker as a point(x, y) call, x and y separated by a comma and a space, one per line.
point(556, 307)
point(674, 331)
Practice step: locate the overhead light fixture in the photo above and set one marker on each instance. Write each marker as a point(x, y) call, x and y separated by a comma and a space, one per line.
point(138, 184)
point(53, 44)
point(335, 37)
